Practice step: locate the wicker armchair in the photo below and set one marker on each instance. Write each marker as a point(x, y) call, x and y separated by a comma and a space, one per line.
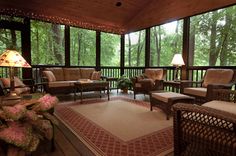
point(213, 79)
point(201, 130)
point(151, 80)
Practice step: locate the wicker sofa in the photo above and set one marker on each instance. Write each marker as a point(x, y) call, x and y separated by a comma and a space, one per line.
point(209, 129)
point(61, 80)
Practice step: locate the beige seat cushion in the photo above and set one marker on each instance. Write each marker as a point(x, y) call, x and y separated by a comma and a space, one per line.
point(155, 74)
point(58, 73)
point(49, 75)
point(61, 84)
point(222, 105)
point(220, 76)
point(200, 91)
point(71, 74)
point(165, 96)
point(96, 75)
point(86, 73)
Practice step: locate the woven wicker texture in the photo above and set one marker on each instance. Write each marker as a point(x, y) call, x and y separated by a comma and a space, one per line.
point(205, 131)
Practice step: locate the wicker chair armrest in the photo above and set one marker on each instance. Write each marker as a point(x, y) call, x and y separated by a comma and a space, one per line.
point(205, 111)
point(224, 95)
point(159, 85)
point(197, 126)
point(188, 83)
point(133, 79)
point(146, 84)
point(211, 87)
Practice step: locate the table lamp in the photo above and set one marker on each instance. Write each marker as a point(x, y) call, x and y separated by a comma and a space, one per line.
point(177, 61)
point(12, 58)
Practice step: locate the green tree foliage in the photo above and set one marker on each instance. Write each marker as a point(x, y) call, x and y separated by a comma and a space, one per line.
point(82, 47)
point(213, 38)
point(166, 40)
point(47, 43)
point(135, 49)
point(110, 49)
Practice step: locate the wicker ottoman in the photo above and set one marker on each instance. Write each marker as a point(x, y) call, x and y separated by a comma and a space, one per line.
point(165, 100)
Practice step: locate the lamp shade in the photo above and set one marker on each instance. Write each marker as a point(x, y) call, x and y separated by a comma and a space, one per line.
point(177, 60)
point(11, 58)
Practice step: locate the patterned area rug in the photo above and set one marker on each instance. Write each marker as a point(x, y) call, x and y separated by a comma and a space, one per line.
point(110, 128)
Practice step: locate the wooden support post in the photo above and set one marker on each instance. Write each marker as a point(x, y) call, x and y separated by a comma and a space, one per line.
point(98, 50)
point(67, 46)
point(122, 54)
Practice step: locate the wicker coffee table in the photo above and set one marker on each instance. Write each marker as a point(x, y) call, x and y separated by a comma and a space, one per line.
point(86, 86)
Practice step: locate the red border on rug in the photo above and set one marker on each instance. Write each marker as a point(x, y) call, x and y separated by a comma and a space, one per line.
point(109, 145)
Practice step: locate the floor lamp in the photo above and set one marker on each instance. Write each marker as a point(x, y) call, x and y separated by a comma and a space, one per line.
point(11, 59)
point(177, 61)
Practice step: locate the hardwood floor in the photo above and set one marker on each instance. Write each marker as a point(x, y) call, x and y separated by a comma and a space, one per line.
point(73, 146)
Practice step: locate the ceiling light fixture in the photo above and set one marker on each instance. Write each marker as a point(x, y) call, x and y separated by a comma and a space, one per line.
point(118, 4)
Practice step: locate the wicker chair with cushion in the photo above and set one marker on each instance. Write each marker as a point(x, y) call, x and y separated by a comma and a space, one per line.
point(209, 129)
point(213, 79)
point(151, 80)
point(20, 86)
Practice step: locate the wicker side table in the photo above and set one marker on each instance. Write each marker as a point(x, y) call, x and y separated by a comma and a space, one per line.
point(165, 100)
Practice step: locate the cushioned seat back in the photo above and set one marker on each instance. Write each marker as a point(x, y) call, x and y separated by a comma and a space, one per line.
point(155, 74)
point(72, 74)
point(220, 76)
point(58, 73)
point(86, 73)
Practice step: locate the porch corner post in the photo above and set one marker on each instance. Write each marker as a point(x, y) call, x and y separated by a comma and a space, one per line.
point(122, 54)
point(67, 46)
point(26, 48)
point(185, 52)
point(147, 48)
point(98, 50)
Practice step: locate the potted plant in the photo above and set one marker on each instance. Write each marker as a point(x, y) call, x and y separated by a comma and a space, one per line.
point(124, 83)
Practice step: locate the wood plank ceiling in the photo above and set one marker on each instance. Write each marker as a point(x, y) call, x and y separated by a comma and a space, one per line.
point(105, 15)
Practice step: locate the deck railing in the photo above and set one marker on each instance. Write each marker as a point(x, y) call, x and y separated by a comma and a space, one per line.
point(196, 73)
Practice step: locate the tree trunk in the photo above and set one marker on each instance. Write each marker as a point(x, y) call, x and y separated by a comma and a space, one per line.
point(139, 49)
point(158, 43)
point(79, 47)
point(192, 44)
point(225, 33)
point(129, 51)
point(213, 55)
point(57, 38)
point(175, 47)
point(13, 39)
point(37, 53)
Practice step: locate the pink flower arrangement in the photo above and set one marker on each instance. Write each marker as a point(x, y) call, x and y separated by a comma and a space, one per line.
point(24, 124)
point(46, 102)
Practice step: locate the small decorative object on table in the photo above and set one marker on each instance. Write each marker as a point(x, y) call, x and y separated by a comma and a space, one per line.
point(124, 83)
point(24, 124)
